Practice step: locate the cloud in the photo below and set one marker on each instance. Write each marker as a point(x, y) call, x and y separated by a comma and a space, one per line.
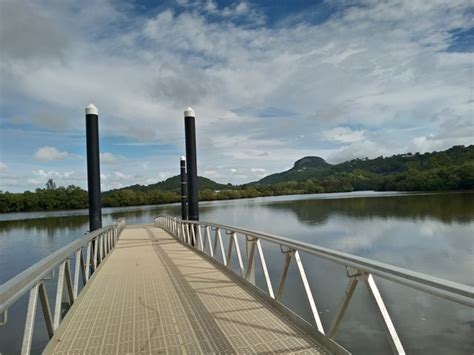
point(343, 135)
point(3, 167)
point(361, 149)
point(40, 176)
point(109, 158)
point(28, 33)
point(241, 11)
point(117, 179)
point(212, 174)
point(53, 120)
point(258, 173)
point(120, 175)
point(50, 154)
point(265, 93)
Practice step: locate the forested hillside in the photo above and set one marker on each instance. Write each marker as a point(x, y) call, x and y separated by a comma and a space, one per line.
point(165, 191)
point(452, 169)
point(317, 168)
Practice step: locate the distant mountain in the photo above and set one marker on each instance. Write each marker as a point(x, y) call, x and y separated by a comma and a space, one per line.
point(310, 162)
point(317, 168)
point(452, 169)
point(173, 184)
point(303, 169)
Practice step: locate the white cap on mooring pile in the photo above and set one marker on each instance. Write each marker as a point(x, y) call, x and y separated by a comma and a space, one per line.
point(182, 158)
point(189, 112)
point(92, 110)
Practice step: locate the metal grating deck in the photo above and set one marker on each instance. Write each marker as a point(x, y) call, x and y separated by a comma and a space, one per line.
point(154, 295)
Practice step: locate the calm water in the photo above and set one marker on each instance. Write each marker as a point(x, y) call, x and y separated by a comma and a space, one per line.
point(429, 233)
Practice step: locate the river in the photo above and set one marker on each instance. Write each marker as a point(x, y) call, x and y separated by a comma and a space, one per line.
point(428, 233)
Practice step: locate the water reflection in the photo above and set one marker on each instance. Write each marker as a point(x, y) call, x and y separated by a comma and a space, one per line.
point(50, 225)
point(447, 208)
point(430, 233)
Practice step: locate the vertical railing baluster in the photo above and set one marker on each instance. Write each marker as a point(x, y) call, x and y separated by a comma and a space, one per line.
point(395, 342)
point(106, 246)
point(30, 320)
point(96, 246)
point(229, 248)
point(108, 242)
point(200, 238)
point(204, 242)
point(221, 244)
point(284, 273)
point(4, 317)
point(76, 273)
point(59, 296)
point(250, 258)
point(83, 269)
point(208, 238)
point(88, 260)
point(265, 270)
point(214, 248)
point(309, 294)
point(341, 310)
point(104, 243)
point(193, 234)
point(101, 247)
point(69, 287)
point(46, 309)
point(239, 255)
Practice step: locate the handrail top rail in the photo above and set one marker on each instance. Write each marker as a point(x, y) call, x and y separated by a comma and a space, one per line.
point(447, 289)
point(15, 287)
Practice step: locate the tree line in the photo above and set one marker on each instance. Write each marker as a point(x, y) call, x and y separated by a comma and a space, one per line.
point(73, 197)
point(435, 173)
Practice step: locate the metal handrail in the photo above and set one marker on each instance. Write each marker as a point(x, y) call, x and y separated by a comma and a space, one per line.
point(439, 287)
point(189, 232)
point(97, 244)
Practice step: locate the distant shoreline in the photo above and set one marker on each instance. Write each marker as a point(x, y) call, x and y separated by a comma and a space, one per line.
point(449, 170)
point(325, 195)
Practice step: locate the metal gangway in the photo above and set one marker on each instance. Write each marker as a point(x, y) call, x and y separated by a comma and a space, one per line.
point(170, 287)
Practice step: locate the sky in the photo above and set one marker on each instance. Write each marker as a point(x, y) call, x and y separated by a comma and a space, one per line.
point(270, 81)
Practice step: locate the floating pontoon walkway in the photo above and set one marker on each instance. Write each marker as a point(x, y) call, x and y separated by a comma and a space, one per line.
point(153, 294)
